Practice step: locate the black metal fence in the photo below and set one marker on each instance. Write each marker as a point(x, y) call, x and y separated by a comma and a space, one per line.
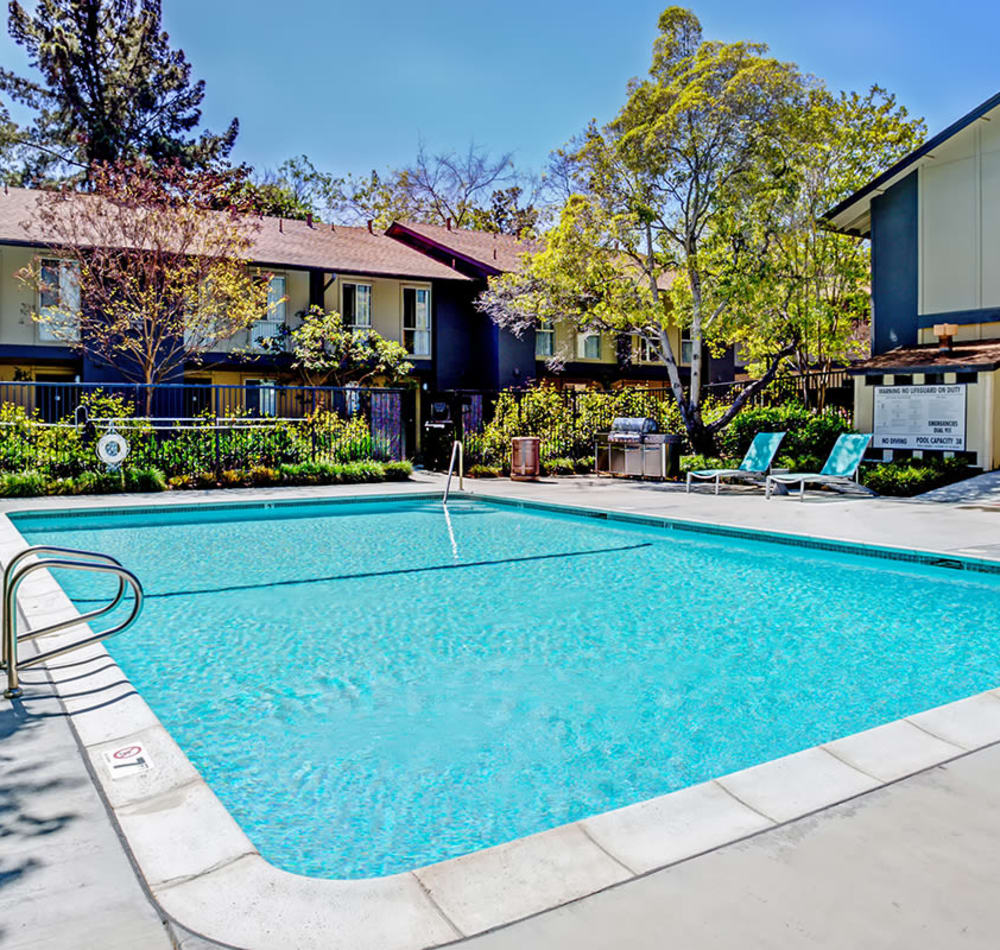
point(184, 429)
point(568, 420)
point(261, 399)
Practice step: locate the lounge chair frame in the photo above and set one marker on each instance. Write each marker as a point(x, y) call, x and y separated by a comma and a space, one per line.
point(820, 478)
point(744, 474)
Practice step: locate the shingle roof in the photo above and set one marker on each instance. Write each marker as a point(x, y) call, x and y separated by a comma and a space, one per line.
point(494, 253)
point(971, 354)
point(349, 250)
point(280, 242)
point(491, 253)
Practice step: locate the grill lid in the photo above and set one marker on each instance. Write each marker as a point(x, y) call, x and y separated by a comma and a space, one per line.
point(634, 425)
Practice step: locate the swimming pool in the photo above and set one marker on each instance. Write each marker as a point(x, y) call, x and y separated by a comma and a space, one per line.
point(372, 687)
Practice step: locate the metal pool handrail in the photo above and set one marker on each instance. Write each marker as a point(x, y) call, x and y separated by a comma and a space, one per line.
point(84, 561)
point(73, 554)
point(455, 447)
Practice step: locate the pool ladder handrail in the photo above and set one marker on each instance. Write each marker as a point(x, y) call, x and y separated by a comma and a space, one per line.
point(65, 559)
point(456, 447)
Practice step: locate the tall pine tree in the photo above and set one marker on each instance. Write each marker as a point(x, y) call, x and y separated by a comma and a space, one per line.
point(109, 87)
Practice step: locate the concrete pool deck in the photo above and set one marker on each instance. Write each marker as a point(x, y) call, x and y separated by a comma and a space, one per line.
point(755, 897)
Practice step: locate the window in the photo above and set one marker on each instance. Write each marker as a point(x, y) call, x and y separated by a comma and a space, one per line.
point(270, 327)
point(687, 347)
point(545, 339)
point(59, 301)
point(356, 306)
point(588, 346)
point(262, 397)
point(417, 321)
point(643, 351)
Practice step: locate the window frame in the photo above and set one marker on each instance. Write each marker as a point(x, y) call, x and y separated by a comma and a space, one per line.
point(265, 389)
point(641, 344)
point(415, 329)
point(355, 284)
point(546, 330)
point(687, 347)
point(582, 338)
point(267, 326)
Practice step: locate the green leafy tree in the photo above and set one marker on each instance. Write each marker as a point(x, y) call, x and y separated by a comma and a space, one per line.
point(696, 208)
point(800, 274)
point(703, 132)
point(326, 351)
point(109, 87)
point(271, 196)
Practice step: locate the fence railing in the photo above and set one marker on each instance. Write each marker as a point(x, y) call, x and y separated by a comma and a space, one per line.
point(185, 429)
point(568, 420)
point(261, 398)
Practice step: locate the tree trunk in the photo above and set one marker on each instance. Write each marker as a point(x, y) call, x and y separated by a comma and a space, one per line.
point(702, 439)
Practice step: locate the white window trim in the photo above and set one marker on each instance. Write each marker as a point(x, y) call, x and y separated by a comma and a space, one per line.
point(357, 282)
point(581, 346)
point(430, 320)
point(638, 343)
point(686, 344)
point(271, 325)
point(543, 331)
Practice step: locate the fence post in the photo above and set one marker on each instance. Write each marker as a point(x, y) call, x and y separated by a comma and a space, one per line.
point(575, 435)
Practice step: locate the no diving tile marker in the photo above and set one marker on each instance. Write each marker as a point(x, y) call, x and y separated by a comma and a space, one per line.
point(128, 760)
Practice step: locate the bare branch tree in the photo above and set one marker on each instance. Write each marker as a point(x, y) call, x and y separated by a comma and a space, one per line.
point(150, 271)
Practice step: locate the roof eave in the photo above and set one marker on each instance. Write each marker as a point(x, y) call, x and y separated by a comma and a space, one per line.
point(885, 180)
point(488, 270)
point(903, 369)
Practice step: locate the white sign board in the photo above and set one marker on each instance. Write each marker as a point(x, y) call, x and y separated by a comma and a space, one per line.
point(920, 417)
point(128, 760)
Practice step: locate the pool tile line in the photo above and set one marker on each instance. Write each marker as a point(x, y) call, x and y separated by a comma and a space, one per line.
point(238, 898)
point(194, 507)
point(927, 557)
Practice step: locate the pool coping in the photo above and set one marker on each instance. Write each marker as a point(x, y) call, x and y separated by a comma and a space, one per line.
point(203, 872)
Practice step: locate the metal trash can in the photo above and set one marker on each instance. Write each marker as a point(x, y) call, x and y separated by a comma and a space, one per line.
point(525, 457)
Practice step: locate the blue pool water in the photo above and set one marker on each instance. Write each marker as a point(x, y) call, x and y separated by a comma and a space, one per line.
point(373, 687)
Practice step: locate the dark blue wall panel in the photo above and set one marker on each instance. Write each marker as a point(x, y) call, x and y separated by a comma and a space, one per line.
point(894, 266)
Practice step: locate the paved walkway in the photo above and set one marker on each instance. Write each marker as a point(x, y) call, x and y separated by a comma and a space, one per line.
point(979, 490)
point(65, 879)
point(912, 865)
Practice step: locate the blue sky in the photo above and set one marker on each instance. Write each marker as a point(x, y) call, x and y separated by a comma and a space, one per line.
point(357, 85)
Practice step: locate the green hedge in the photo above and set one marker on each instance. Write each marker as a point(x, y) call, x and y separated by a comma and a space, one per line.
point(908, 477)
point(807, 434)
point(24, 484)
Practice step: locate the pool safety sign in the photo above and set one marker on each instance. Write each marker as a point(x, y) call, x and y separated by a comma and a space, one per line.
point(131, 759)
point(920, 417)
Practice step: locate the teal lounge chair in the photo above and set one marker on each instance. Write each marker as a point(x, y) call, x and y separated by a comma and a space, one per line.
point(841, 467)
point(756, 462)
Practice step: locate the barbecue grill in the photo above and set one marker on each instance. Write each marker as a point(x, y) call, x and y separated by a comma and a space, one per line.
point(635, 448)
